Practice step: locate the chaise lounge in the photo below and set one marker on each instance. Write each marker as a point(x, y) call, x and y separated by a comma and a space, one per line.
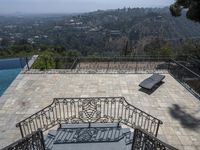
point(152, 81)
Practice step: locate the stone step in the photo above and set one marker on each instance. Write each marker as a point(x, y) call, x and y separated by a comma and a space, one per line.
point(128, 136)
point(49, 139)
point(91, 146)
point(74, 136)
point(85, 125)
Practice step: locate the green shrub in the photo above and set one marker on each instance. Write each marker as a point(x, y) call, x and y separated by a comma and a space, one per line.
point(45, 61)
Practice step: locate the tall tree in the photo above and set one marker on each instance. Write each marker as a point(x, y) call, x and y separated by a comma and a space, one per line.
point(192, 7)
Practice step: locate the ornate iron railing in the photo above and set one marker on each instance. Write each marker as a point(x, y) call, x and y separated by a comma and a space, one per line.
point(89, 110)
point(144, 141)
point(33, 141)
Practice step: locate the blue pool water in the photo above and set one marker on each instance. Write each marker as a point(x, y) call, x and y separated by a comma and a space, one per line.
point(6, 78)
point(9, 69)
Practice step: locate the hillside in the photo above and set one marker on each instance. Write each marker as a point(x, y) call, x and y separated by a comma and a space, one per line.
point(111, 32)
point(146, 22)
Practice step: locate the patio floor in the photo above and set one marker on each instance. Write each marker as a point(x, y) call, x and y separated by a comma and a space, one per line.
point(171, 103)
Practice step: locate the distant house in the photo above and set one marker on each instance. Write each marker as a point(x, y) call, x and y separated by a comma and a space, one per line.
point(95, 29)
point(82, 28)
point(45, 36)
point(36, 24)
point(36, 37)
point(57, 27)
point(30, 40)
point(115, 32)
point(10, 26)
point(71, 20)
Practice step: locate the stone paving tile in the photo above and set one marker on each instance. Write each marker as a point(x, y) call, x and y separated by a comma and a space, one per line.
point(172, 103)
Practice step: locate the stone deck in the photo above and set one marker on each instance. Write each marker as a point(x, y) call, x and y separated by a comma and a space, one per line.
point(172, 103)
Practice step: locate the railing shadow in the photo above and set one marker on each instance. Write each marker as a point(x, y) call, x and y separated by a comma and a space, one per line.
point(82, 133)
point(187, 120)
point(92, 135)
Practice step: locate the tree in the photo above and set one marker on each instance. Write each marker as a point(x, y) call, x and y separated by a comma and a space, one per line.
point(4, 42)
point(165, 49)
point(192, 6)
point(189, 47)
point(45, 61)
point(158, 47)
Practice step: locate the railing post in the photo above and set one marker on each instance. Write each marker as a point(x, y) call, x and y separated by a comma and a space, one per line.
point(60, 126)
point(157, 128)
point(79, 62)
point(136, 139)
point(169, 63)
point(27, 63)
point(45, 59)
point(42, 139)
point(20, 61)
point(118, 124)
point(108, 66)
point(20, 128)
point(136, 66)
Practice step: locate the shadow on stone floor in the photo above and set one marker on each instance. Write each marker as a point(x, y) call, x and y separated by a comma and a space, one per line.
point(149, 92)
point(187, 120)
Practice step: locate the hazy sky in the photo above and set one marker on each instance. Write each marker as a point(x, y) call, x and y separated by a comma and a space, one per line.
point(71, 6)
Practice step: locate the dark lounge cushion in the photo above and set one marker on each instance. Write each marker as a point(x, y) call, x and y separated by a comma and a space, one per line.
point(150, 82)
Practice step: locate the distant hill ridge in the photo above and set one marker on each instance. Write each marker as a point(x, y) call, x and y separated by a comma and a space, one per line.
point(147, 22)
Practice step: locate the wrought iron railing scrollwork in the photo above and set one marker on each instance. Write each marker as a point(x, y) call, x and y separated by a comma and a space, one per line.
point(144, 141)
point(89, 110)
point(33, 141)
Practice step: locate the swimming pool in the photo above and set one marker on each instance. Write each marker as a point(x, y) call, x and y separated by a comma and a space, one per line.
point(9, 69)
point(6, 78)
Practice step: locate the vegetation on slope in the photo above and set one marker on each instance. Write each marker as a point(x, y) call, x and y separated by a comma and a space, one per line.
point(121, 32)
